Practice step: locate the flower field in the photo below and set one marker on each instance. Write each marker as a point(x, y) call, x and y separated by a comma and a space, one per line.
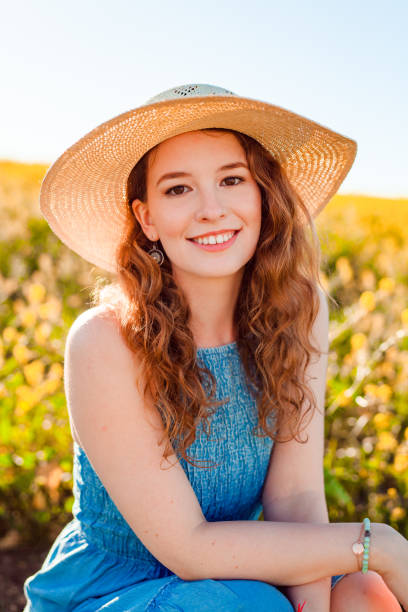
point(44, 286)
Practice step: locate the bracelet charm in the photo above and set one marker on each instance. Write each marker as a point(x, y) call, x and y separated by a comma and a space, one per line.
point(361, 548)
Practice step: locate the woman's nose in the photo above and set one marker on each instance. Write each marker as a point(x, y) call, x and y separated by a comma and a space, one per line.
point(210, 207)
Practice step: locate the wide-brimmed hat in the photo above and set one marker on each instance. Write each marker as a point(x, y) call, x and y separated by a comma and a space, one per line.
point(83, 195)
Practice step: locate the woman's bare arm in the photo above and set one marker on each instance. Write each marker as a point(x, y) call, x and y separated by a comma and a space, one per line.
point(282, 553)
point(120, 435)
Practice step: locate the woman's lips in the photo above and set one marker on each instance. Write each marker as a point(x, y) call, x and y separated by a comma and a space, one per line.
point(217, 247)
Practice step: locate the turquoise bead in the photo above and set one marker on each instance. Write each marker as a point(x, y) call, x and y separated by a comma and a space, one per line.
point(366, 542)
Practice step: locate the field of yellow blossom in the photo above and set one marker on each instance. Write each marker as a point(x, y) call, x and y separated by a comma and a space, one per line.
point(44, 286)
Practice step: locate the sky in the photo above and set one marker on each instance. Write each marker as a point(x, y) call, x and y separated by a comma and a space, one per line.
point(67, 67)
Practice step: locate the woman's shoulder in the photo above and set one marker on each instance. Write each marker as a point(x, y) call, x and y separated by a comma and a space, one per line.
point(104, 312)
point(97, 324)
point(95, 341)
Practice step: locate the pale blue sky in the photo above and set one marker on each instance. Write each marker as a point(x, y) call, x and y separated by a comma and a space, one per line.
point(66, 67)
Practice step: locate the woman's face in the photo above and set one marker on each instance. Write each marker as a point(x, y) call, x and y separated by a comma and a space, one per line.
point(206, 198)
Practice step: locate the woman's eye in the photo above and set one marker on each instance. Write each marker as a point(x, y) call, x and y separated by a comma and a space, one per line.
point(175, 187)
point(227, 178)
point(233, 177)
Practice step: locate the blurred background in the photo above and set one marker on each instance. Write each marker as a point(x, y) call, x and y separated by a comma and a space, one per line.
point(66, 68)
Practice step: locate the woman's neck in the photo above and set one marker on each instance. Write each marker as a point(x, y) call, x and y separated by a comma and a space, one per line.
point(212, 303)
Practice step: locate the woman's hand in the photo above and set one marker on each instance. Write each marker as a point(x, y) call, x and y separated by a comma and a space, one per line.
point(393, 566)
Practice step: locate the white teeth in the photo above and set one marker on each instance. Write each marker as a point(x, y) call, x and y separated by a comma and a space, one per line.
point(218, 239)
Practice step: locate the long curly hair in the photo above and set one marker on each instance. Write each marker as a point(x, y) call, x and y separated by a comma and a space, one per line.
point(276, 307)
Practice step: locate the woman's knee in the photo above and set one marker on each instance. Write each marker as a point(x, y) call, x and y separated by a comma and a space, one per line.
point(361, 592)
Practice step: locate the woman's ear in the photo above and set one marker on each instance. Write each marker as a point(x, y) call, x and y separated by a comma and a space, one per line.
point(141, 212)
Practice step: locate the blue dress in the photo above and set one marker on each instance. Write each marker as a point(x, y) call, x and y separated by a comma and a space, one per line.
point(98, 563)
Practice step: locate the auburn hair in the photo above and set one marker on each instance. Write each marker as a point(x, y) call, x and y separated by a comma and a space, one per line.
point(276, 307)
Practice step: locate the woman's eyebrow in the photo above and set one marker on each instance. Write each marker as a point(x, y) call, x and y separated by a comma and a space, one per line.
point(171, 175)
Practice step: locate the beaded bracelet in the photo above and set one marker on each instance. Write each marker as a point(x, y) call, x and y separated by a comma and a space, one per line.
point(363, 547)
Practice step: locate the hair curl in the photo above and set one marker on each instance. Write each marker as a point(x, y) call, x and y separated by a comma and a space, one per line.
point(276, 307)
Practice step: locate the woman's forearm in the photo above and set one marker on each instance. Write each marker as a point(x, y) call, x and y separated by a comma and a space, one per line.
point(281, 553)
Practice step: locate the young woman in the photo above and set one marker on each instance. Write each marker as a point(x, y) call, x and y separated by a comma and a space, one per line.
point(195, 383)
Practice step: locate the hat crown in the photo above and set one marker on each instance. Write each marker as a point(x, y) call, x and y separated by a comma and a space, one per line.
point(190, 90)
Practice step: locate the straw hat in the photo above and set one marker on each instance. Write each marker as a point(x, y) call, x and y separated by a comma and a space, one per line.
point(83, 195)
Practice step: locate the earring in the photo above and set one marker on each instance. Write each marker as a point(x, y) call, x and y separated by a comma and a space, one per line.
point(156, 254)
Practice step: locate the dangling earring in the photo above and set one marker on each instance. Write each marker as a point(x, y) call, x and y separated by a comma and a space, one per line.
point(156, 254)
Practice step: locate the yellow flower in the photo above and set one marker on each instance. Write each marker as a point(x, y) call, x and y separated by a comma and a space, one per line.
point(392, 492)
point(49, 386)
point(34, 372)
point(398, 513)
point(56, 370)
point(28, 317)
point(23, 392)
point(10, 334)
point(367, 300)
point(384, 393)
point(21, 353)
point(386, 441)
point(382, 420)
point(406, 433)
point(370, 389)
point(357, 341)
point(343, 398)
point(387, 284)
point(27, 398)
point(381, 392)
point(36, 293)
point(401, 462)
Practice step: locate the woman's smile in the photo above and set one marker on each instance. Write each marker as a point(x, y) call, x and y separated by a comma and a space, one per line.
point(219, 242)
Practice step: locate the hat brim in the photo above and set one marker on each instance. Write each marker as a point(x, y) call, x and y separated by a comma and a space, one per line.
point(83, 194)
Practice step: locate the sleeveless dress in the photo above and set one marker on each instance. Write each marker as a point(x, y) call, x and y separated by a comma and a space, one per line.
point(98, 563)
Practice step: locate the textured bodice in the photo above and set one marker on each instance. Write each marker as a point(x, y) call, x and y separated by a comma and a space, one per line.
point(230, 491)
